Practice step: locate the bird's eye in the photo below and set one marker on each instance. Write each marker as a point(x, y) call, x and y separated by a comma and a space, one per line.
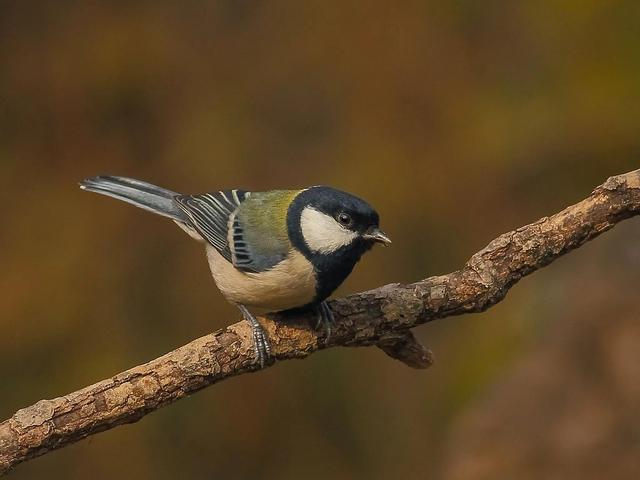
point(344, 219)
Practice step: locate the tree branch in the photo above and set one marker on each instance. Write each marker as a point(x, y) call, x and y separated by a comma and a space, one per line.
point(381, 317)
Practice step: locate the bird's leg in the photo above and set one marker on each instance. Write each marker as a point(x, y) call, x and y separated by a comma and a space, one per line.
point(325, 318)
point(260, 343)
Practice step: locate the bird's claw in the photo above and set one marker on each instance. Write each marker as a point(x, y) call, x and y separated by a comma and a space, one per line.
point(261, 347)
point(325, 319)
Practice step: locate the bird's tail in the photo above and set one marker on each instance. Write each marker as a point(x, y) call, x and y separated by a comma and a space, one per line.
point(141, 194)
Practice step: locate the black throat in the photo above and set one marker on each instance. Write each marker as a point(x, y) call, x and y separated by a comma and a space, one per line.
point(331, 269)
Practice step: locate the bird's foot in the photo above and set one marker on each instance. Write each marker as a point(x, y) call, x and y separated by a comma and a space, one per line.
point(325, 319)
point(260, 343)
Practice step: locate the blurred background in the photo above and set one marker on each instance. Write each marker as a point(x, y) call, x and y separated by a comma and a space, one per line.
point(459, 120)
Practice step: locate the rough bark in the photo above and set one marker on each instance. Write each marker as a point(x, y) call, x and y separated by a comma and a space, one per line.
point(382, 317)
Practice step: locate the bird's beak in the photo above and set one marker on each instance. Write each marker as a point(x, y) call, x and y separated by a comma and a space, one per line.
point(377, 235)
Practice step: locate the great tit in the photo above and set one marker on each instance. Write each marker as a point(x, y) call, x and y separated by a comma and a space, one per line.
point(276, 250)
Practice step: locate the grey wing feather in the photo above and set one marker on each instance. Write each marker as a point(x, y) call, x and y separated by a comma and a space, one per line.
point(241, 255)
point(209, 214)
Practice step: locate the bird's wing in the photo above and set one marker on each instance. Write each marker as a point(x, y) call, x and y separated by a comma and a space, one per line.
point(259, 233)
point(248, 229)
point(209, 215)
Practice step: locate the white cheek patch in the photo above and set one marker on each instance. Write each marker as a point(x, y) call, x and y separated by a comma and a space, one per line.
point(322, 233)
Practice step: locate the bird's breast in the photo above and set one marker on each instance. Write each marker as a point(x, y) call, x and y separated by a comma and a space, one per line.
point(289, 284)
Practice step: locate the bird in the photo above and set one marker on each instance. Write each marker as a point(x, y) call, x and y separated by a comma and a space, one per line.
point(276, 250)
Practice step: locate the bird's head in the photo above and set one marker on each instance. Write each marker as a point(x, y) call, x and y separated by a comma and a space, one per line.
point(326, 221)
